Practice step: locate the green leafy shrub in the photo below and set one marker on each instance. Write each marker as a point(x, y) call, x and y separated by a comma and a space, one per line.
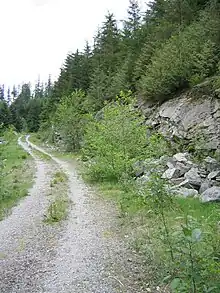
point(116, 141)
point(184, 239)
point(69, 120)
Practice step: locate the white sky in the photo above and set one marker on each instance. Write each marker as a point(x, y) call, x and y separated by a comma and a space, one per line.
point(36, 35)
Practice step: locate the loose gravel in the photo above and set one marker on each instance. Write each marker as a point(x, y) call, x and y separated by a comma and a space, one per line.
point(83, 254)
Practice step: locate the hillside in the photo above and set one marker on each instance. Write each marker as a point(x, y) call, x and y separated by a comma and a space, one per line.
point(140, 109)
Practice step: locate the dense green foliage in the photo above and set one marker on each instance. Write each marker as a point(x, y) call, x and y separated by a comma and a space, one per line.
point(173, 45)
point(179, 238)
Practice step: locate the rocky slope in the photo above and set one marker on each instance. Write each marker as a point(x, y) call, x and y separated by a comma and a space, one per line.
point(193, 116)
point(191, 119)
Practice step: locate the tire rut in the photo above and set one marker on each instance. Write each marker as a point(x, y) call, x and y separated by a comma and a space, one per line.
point(26, 244)
point(84, 254)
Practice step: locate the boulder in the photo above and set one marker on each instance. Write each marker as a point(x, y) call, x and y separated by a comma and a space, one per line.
point(171, 162)
point(170, 165)
point(205, 185)
point(211, 164)
point(203, 173)
point(213, 174)
point(177, 181)
point(181, 157)
point(171, 173)
point(211, 194)
point(182, 168)
point(187, 184)
point(186, 192)
point(193, 177)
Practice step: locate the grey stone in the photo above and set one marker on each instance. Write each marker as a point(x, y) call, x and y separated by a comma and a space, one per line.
point(139, 168)
point(213, 174)
point(171, 163)
point(182, 168)
point(181, 157)
point(202, 175)
point(193, 177)
point(217, 178)
point(186, 192)
point(204, 186)
point(186, 183)
point(203, 172)
point(211, 164)
point(211, 194)
point(177, 181)
point(171, 173)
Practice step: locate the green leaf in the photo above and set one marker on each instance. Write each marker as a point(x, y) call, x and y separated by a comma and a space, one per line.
point(186, 231)
point(211, 289)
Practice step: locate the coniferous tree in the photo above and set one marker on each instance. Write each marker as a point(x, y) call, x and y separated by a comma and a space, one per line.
point(2, 92)
point(8, 96)
point(107, 47)
point(131, 41)
point(5, 115)
point(14, 93)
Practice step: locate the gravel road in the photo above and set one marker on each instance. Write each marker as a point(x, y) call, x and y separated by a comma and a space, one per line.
point(85, 253)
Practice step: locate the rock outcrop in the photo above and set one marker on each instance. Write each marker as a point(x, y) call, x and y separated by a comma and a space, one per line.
point(191, 116)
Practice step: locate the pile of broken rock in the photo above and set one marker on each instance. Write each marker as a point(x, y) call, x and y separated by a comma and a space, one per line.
point(188, 179)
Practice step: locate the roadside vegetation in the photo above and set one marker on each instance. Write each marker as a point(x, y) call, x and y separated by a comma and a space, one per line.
point(177, 239)
point(59, 202)
point(16, 172)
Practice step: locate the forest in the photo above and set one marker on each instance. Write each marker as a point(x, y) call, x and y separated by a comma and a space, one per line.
point(172, 46)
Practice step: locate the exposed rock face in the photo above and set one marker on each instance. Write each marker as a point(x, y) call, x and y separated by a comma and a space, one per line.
point(196, 119)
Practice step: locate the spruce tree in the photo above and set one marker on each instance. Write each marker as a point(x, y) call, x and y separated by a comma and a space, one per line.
point(2, 92)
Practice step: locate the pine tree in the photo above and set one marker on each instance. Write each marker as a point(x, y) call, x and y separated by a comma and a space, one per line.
point(107, 46)
point(2, 92)
point(8, 96)
point(134, 19)
point(14, 93)
point(48, 87)
point(97, 93)
point(37, 89)
point(131, 41)
point(5, 115)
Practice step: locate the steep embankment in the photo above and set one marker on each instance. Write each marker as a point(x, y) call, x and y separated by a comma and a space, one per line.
point(193, 117)
point(85, 253)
